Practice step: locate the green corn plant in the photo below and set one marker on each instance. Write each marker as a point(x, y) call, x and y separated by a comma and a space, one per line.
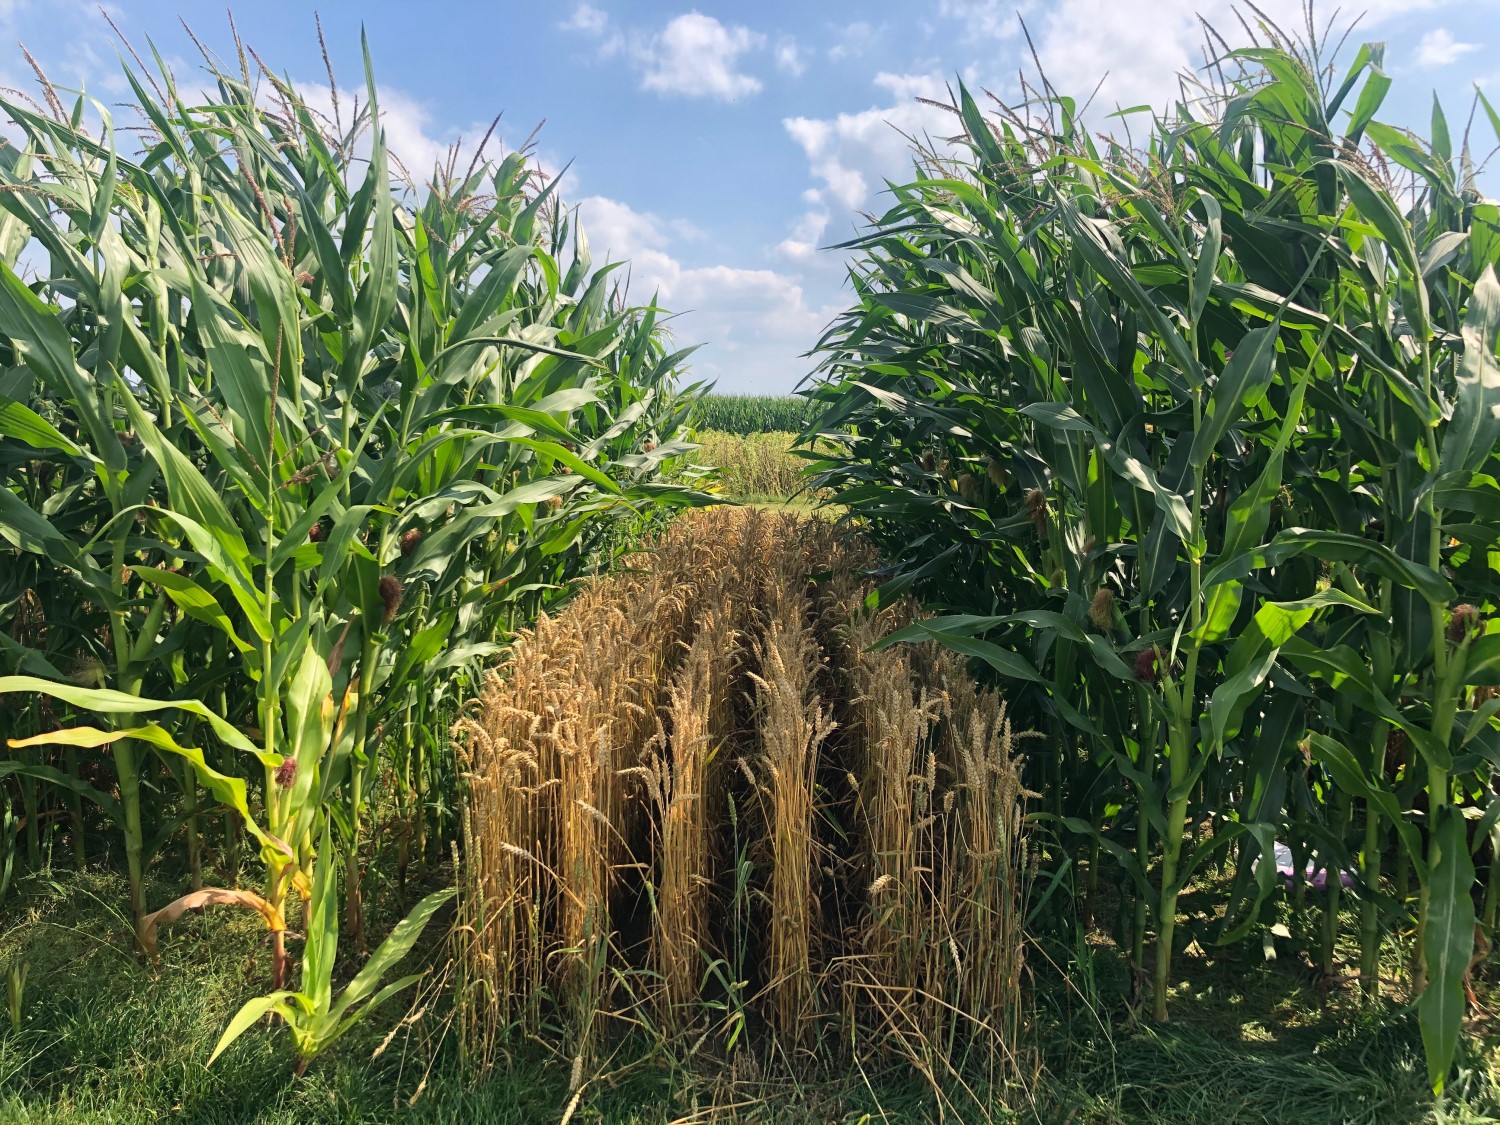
point(124, 708)
point(316, 1017)
point(1194, 446)
point(753, 414)
point(44, 347)
point(308, 442)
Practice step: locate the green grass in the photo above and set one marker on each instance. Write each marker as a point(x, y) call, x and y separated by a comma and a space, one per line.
point(108, 1038)
point(1249, 1042)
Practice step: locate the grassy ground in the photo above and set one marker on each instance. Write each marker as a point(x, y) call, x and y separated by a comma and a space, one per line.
point(1249, 1042)
point(753, 467)
point(106, 1038)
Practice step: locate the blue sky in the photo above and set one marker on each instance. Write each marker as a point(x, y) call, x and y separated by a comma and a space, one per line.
point(720, 146)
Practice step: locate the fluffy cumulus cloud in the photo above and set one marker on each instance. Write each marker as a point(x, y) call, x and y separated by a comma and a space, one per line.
point(1130, 52)
point(697, 56)
point(1439, 48)
point(416, 141)
point(852, 40)
point(693, 55)
point(802, 244)
point(1123, 52)
point(412, 136)
point(853, 154)
point(757, 321)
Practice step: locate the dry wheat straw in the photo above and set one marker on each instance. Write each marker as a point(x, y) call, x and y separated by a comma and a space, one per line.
point(601, 760)
point(792, 725)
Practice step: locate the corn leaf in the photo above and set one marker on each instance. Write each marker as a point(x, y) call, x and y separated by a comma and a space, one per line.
point(1447, 945)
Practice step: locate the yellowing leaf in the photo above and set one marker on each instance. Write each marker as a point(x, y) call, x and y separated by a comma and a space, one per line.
point(208, 896)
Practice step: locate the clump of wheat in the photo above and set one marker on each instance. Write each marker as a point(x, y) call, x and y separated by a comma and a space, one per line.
point(895, 794)
point(677, 779)
point(792, 725)
point(699, 789)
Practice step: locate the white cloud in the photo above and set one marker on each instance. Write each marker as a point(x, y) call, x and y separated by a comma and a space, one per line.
point(790, 57)
point(587, 19)
point(802, 245)
point(908, 87)
point(697, 56)
point(410, 136)
point(984, 19)
point(852, 41)
point(693, 55)
point(616, 230)
point(1439, 48)
point(1136, 52)
point(757, 321)
point(854, 153)
point(1142, 45)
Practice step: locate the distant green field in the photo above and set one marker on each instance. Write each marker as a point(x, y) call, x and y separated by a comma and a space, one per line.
point(753, 414)
point(753, 466)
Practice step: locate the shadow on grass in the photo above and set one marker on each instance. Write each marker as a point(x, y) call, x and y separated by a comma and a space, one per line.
point(1249, 1041)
